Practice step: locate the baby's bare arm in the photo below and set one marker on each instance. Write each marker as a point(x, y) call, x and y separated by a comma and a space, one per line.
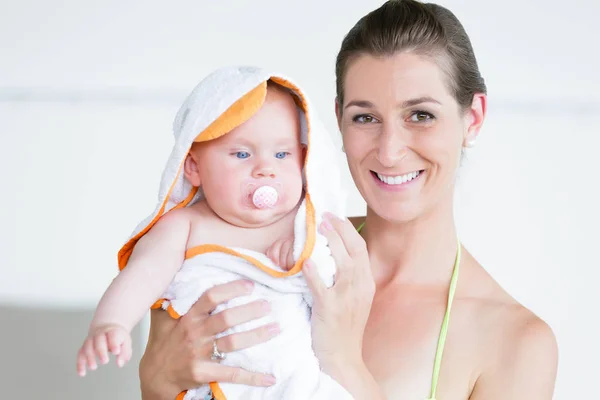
point(156, 258)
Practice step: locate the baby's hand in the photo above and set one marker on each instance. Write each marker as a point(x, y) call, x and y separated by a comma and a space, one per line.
point(282, 252)
point(113, 338)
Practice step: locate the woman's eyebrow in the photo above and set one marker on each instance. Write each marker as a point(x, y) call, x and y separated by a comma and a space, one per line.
point(419, 100)
point(359, 103)
point(404, 104)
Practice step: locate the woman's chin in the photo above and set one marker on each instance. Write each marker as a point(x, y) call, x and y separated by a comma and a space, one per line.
point(398, 211)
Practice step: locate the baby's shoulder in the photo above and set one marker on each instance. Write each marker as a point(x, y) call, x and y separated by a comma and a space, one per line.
point(175, 218)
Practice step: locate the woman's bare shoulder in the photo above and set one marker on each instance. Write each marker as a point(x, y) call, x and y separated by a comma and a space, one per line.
point(514, 340)
point(490, 299)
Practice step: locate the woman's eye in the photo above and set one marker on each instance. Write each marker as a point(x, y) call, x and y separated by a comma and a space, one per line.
point(281, 155)
point(242, 154)
point(363, 119)
point(421, 116)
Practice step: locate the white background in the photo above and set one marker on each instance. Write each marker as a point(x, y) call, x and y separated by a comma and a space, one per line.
point(88, 91)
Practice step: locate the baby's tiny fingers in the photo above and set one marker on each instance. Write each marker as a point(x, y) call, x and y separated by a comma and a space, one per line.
point(101, 348)
point(115, 339)
point(90, 354)
point(81, 361)
point(290, 262)
point(286, 255)
point(125, 354)
point(273, 253)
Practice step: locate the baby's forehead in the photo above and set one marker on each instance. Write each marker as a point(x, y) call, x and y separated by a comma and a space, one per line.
point(262, 137)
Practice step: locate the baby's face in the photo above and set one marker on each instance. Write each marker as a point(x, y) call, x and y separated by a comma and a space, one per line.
point(263, 151)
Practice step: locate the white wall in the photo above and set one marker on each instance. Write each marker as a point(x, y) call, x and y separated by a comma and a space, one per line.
point(88, 92)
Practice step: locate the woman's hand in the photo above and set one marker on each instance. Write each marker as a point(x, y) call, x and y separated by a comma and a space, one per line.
point(178, 355)
point(340, 313)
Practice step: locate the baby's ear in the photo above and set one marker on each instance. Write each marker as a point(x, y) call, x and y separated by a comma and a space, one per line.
point(191, 171)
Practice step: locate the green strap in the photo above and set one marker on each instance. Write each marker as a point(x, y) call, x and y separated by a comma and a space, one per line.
point(444, 331)
point(360, 227)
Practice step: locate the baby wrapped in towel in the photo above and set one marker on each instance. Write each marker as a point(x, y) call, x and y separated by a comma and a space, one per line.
point(251, 174)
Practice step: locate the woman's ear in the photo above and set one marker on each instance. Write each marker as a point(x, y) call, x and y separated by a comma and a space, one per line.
point(338, 113)
point(192, 171)
point(475, 116)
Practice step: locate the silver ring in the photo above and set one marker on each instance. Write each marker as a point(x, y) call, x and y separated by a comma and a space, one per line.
point(216, 354)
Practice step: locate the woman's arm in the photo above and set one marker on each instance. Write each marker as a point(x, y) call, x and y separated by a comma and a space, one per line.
point(177, 356)
point(524, 367)
point(340, 313)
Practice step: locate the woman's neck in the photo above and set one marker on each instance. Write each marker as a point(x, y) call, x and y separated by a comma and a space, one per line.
point(418, 251)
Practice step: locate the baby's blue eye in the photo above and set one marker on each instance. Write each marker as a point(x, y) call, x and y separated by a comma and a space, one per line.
point(242, 154)
point(281, 155)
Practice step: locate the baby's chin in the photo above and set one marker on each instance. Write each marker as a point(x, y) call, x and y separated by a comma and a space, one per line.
point(255, 218)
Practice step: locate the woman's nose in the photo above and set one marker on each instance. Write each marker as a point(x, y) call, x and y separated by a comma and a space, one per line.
point(392, 148)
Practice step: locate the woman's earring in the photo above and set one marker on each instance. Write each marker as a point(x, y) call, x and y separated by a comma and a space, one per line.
point(343, 150)
point(470, 143)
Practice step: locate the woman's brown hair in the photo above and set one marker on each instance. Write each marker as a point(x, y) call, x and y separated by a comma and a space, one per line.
point(420, 28)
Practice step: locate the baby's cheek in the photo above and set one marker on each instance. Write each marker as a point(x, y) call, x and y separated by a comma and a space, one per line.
point(227, 192)
point(295, 188)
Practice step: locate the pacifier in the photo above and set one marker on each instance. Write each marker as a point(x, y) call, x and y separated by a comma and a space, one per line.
point(262, 194)
point(265, 197)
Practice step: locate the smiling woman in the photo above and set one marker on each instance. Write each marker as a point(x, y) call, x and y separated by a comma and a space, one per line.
point(410, 98)
point(404, 129)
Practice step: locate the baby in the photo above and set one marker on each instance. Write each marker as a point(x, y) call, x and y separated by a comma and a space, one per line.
point(240, 220)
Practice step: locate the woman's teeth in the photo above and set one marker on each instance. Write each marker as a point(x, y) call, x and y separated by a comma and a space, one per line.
point(400, 179)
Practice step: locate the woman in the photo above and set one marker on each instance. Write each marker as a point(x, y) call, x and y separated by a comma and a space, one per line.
point(409, 99)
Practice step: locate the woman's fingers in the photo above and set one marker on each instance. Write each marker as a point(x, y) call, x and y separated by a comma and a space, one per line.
point(348, 249)
point(353, 242)
point(231, 317)
point(313, 280)
point(222, 373)
point(243, 340)
point(344, 263)
point(216, 295)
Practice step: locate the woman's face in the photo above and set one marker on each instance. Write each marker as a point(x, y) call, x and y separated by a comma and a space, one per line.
point(403, 133)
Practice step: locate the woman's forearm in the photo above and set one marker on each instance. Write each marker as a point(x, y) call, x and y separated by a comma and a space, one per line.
point(154, 387)
point(355, 378)
point(151, 394)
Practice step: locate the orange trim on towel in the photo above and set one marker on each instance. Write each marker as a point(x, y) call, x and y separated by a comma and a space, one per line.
point(217, 392)
point(157, 304)
point(239, 112)
point(172, 313)
point(308, 247)
point(127, 249)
